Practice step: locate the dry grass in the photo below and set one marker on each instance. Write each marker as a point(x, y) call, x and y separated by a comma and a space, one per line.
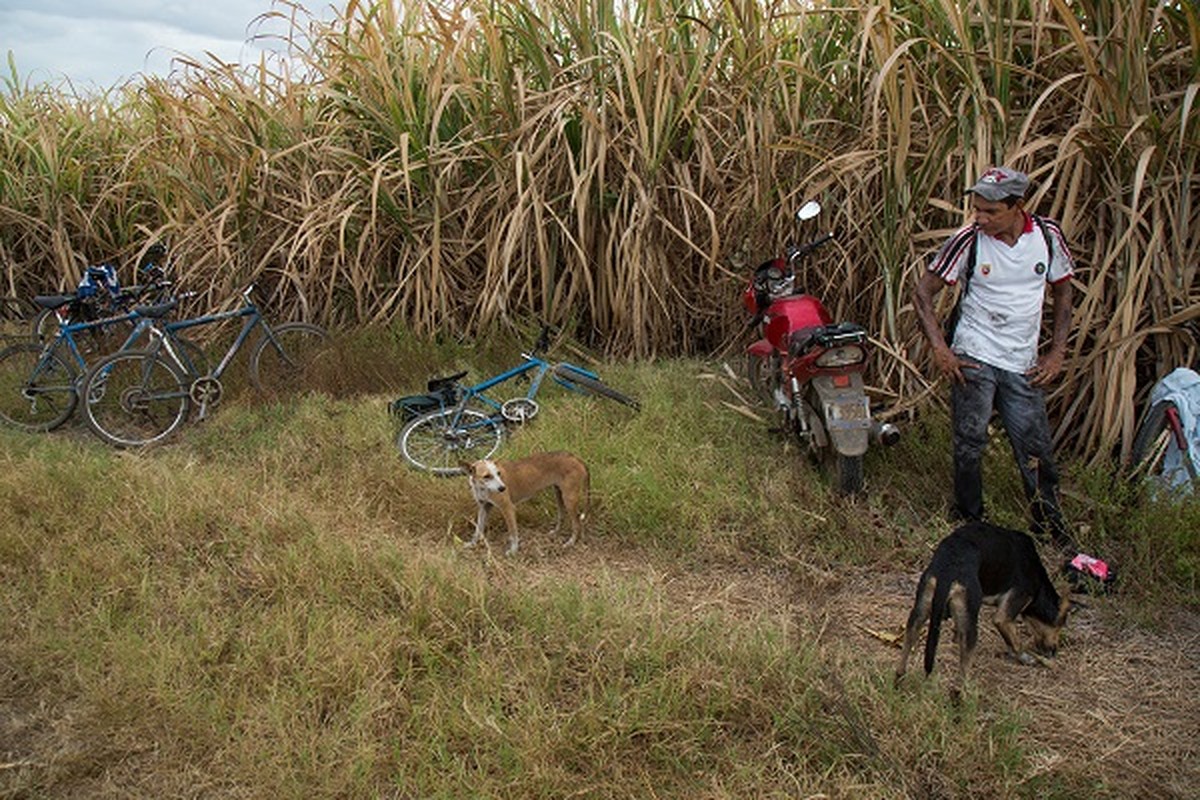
point(619, 169)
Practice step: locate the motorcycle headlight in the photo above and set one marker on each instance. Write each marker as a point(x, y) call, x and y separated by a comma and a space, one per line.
point(780, 287)
point(842, 356)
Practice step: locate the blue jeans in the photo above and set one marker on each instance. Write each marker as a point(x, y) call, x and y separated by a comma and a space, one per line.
point(1022, 409)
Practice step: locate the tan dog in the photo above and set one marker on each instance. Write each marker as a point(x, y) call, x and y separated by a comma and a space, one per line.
point(503, 484)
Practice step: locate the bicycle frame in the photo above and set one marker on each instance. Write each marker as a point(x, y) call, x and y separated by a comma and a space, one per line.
point(66, 334)
point(139, 397)
point(249, 310)
point(163, 335)
point(478, 391)
point(533, 363)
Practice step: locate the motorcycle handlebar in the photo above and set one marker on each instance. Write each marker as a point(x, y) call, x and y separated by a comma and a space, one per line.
point(542, 345)
point(804, 249)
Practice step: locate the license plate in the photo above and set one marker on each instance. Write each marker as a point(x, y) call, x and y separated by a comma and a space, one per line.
point(848, 413)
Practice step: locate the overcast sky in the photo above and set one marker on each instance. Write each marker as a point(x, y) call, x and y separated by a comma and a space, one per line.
point(98, 43)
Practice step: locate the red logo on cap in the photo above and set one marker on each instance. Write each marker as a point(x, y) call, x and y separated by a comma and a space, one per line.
point(993, 176)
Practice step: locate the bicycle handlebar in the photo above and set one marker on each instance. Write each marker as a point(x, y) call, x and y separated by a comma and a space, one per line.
point(542, 345)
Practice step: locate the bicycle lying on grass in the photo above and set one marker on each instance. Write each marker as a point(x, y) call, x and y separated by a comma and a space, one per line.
point(456, 422)
point(140, 397)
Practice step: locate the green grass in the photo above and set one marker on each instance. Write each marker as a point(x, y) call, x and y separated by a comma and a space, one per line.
point(275, 605)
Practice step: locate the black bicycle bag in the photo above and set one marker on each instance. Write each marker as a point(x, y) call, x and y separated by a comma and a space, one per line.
point(441, 393)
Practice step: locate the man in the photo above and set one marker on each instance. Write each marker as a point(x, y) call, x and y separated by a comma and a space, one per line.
point(1004, 260)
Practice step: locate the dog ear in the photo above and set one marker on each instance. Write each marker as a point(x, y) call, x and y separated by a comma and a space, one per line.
point(466, 467)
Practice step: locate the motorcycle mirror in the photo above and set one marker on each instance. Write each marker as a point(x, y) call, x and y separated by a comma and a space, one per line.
point(808, 210)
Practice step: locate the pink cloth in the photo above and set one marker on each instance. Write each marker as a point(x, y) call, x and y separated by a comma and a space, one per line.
point(1091, 565)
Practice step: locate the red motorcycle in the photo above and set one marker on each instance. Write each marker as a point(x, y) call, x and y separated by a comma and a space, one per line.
point(810, 368)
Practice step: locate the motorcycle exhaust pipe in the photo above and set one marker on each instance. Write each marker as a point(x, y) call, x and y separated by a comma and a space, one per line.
point(885, 433)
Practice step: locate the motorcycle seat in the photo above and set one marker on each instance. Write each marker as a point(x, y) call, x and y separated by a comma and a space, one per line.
point(842, 333)
point(826, 336)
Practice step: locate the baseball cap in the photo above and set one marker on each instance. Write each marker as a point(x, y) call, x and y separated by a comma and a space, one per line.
point(1000, 183)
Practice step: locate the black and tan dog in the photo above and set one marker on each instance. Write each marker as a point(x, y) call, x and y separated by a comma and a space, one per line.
point(980, 563)
point(503, 484)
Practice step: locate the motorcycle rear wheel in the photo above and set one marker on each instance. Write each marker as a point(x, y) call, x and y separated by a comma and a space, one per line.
point(848, 474)
point(844, 472)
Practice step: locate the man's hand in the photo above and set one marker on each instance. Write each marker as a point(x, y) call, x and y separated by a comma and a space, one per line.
point(951, 365)
point(1050, 365)
point(1047, 368)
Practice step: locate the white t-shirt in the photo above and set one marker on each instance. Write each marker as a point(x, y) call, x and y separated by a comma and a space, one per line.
point(1001, 314)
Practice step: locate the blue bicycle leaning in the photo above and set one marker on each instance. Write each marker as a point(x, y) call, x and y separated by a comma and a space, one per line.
point(39, 381)
point(140, 397)
point(456, 422)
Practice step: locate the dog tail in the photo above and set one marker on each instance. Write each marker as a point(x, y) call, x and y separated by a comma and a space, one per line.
point(587, 494)
point(941, 596)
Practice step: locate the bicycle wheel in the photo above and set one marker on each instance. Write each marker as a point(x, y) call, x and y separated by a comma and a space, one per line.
point(440, 440)
point(292, 358)
point(135, 398)
point(37, 388)
point(1153, 456)
point(573, 376)
point(1148, 442)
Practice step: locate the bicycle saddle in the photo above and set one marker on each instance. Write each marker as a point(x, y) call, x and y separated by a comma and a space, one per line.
point(53, 300)
point(441, 383)
point(157, 310)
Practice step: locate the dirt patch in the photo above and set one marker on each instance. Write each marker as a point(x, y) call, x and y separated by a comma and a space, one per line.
point(1119, 705)
point(1119, 702)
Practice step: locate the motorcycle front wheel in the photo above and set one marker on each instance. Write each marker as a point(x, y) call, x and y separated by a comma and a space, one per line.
point(758, 372)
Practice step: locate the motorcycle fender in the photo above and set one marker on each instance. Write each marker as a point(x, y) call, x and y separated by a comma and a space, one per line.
point(845, 413)
point(762, 349)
